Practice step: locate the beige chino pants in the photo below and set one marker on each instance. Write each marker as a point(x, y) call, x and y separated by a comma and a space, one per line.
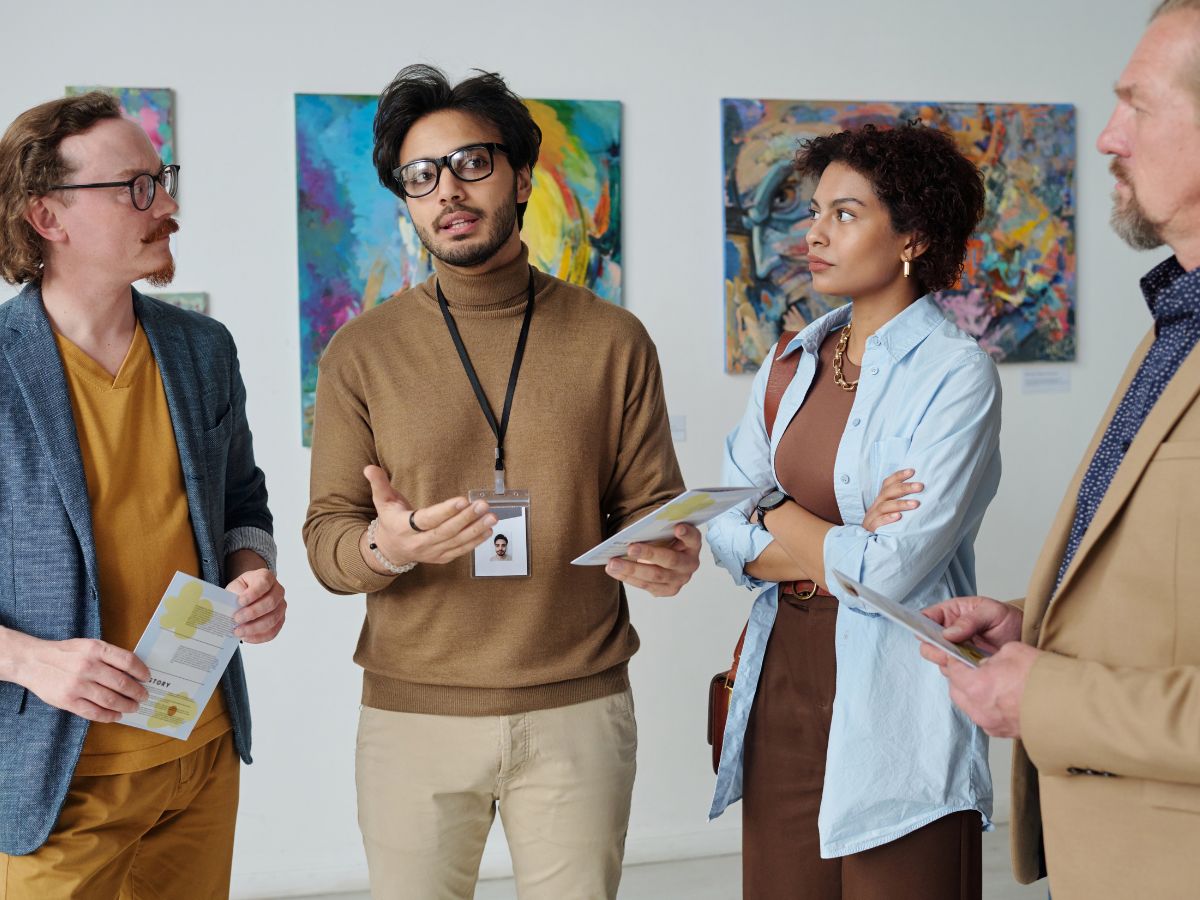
point(429, 787)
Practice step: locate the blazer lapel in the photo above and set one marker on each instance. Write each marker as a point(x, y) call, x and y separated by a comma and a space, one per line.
point(1041, 583)
point(38, 373)
point(172, 353)
point(1172, 403)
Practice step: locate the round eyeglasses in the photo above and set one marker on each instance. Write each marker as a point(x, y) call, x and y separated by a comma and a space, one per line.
point(141, 187)
point(474, 162)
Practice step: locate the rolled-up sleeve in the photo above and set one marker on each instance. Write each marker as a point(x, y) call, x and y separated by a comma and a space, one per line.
point(955, 454)
point(733, 538)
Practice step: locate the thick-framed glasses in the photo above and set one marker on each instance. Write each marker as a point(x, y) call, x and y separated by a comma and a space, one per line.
point(474, 162)
point(141, 187)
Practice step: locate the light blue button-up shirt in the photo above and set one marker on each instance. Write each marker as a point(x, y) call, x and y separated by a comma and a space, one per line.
point(900, 754)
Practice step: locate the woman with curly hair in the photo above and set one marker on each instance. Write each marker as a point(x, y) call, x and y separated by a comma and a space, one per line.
point(859, 777)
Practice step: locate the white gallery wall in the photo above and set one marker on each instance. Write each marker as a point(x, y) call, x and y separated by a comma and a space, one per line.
point(235, 68)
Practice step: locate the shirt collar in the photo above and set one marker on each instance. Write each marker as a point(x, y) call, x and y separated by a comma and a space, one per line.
point(898, 336)
point(1172, 293)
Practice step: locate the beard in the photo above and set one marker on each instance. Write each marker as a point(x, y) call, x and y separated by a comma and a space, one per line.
point(1129, 219)
point(497, 228)
point(162, 276)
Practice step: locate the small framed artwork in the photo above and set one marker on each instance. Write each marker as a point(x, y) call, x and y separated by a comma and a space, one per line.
point(197, 301)
point(506, 553)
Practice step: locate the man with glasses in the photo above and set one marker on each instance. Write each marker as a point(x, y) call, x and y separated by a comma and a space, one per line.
point(486, 687)
point(126, 457)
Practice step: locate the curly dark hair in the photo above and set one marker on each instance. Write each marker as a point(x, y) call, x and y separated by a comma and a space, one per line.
point(419, 90)
point(927, 185)
point(30, 163)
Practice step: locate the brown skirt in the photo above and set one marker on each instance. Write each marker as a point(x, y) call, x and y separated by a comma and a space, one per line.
point(786, 742)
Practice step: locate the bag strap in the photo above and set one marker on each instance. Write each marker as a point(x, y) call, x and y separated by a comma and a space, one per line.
point(781, 376)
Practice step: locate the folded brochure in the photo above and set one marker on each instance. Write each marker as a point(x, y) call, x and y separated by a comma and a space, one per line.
point(694, 507)
point(186, 647)
point(923, 627)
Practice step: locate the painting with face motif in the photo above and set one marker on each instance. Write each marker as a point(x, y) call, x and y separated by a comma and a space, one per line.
point(358, 247)
point(1017, 293)
point(152, 108)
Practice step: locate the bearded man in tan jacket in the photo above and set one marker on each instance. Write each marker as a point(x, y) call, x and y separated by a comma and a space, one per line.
point(1097, 671)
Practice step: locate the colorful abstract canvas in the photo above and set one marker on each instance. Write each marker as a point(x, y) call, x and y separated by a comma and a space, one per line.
point(152, 108)
point(1017, 294)
point(357, 246)
point(196, 301)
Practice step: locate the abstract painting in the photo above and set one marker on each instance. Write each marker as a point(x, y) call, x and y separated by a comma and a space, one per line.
point(357, 246)
point(152, 108)
point(1017, 293)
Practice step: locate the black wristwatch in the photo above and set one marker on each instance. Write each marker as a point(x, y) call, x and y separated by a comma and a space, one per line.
point(771, 500)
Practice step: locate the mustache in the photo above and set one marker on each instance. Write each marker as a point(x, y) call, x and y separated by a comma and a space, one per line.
point(1118, 170)
point(168, 227)
point(458, 208)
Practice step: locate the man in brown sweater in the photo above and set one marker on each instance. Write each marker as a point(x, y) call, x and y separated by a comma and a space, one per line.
point(481, 692)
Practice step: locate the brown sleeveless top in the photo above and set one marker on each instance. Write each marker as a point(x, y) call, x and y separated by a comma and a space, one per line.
point(805, 457)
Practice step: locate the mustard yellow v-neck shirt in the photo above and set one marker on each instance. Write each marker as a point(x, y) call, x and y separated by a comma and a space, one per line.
point(141, 526)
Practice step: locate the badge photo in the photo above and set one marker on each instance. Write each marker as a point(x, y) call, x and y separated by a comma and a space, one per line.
point(506, 553)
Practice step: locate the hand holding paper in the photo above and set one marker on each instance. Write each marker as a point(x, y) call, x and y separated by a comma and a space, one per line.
point(661, 570)
point(986, 623)
point(694, 507)
point(263, 605)
point(90, 678)
point(924, 629)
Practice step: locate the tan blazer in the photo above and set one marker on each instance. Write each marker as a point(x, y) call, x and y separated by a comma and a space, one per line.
point(1108, 768)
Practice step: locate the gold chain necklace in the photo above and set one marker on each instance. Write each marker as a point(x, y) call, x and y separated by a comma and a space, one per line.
point(838, 354)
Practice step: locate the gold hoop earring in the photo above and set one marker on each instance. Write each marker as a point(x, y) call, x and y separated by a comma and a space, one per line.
point(907, 267)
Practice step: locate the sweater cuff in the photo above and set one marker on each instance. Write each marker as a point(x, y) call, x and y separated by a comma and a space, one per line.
point(247, 537)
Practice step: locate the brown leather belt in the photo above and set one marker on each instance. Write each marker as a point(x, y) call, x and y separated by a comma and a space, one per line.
point(803, 590)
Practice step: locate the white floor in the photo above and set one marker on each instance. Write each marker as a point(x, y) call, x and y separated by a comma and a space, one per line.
point(720, 878)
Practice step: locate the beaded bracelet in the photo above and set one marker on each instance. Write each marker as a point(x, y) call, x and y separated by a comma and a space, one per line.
point(383, 560)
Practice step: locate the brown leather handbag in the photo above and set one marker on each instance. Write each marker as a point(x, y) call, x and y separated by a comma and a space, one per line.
point(720, 687)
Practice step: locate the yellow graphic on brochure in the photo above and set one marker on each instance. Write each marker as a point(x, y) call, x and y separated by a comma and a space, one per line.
point(187, 611)
point(172, 711)
point(676, 512)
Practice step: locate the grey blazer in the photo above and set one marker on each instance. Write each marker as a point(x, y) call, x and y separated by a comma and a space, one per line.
point(48, 581)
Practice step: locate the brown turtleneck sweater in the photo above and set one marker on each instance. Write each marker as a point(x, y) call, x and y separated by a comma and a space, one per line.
point(588, 437)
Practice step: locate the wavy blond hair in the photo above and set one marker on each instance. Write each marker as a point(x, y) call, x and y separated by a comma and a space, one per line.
point(30, 163)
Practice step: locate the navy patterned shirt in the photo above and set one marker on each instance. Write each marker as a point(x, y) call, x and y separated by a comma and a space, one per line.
point(1173, 296)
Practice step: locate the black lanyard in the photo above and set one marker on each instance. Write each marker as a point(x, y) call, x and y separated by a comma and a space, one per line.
point(499, 429)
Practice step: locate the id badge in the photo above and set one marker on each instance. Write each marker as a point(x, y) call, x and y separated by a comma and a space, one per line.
point(506, 554)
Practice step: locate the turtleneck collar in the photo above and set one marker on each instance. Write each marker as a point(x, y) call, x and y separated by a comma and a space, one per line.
point(501, 289)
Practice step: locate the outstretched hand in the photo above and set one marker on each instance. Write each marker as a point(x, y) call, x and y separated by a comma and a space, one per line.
point(444, 531)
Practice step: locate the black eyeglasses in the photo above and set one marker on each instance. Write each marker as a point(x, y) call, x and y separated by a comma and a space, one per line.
point(474, 162)
point(141, 187)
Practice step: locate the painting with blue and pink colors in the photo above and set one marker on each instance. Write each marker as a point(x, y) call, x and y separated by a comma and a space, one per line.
point(1017, 292)
point(357, 246)
point(152, 108)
